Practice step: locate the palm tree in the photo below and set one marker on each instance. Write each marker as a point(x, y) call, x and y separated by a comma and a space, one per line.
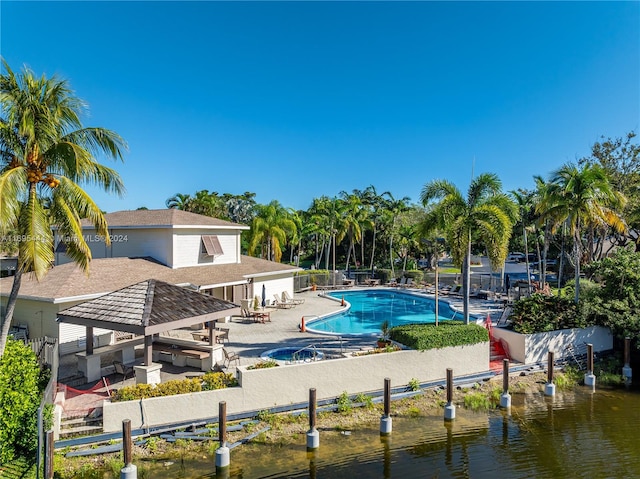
point(179, 201)
point(270, 229)
point(486, 214)
point(394, 207)
point(45, 154)
point(582, 198)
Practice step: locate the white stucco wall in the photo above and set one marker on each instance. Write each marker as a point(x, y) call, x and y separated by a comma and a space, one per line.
point(128, 242)
point(187, 246)
point(266, 388)
point(276, 284)
point(534, 348)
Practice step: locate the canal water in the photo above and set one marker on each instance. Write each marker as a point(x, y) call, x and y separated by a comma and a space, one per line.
point(576, 434)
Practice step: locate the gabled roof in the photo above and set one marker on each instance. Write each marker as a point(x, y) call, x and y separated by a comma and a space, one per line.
point(166, 218)
point(148, 307)
point(111, 274)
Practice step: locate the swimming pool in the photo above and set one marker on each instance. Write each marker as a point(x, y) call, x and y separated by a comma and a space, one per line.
point(302, 354)
point(369, 308)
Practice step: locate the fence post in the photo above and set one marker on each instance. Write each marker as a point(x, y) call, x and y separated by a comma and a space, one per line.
point(590, 378)
point(385, 420)
point(626, 370)
point(313, 436)
point(550, 388)
point(450, 409)
point(48, 459)
point(129, 471)
point(222, 453)
point(505, 398)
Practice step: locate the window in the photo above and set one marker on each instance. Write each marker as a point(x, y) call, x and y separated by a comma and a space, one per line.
point(211, 246)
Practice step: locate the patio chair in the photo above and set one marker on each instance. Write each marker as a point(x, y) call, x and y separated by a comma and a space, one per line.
point(288, 299)
point(279, 303)
point(230, 356)
point(123, 369)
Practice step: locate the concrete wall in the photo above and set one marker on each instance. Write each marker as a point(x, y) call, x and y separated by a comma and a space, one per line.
point(266, 388)
point(533, 348)
point(275, 285)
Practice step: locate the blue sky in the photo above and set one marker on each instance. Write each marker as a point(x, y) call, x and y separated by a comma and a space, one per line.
point(296, 100)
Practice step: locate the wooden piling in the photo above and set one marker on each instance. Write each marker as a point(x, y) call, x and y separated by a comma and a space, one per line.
point(222, 422)
point(387, 396)
point(312, 408)
point(48, 458)
point(590, 358)
point(127, 446)
point(505, 376)
point(627, 351)
point(550, 363)
point(449, 385)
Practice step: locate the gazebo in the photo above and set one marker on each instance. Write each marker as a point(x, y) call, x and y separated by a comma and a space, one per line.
point(144, 309)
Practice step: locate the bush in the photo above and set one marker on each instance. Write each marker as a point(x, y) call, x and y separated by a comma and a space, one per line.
point(384, 275)
point(208, 382)
point(269, 363)
point(539, 313)
point(446, 334)
point(415, 274)
point(21, 386)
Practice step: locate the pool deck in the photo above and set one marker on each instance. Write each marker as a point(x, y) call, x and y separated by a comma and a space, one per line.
point(250, 339)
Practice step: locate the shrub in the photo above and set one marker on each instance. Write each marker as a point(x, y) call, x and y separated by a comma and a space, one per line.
point(415, 274)
point(269, 363)
point(207, 382)
point(21, 386)
point(539, 313)
point(344, 403)
point(446, 334)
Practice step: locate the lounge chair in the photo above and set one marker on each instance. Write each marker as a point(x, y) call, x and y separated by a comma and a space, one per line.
point(403, 282)
point(123, 369)
point(230, 356)
point(245, 308)
point(288, 299)
point(408, 283)
point(279, 303)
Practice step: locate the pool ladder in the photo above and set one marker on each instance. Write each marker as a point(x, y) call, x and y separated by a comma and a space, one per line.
point(295, 357)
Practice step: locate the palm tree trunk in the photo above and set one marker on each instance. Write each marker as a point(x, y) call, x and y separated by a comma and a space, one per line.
point(466, 279)
point(373, 247)
point(577, 247)
point(11, 305)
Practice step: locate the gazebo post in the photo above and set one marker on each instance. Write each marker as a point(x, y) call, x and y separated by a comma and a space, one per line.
point(212, 338)
point(89, 342)
point(148, 348)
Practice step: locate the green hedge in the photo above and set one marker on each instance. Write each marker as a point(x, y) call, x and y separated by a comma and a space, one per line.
point(540, 313)
point(207, 382)
point(446, 334)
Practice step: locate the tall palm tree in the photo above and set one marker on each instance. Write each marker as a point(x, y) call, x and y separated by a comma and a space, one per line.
point(486, 214)
point(394, 207)
point(46, 154)
point(582, 198)
point(270, 229)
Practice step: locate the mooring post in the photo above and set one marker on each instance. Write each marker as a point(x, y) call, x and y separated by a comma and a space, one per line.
point(505, 398)
point(550, 388)
point(313, 436)
point(385, 420)
point(129, 471)
point(449, 409)
point(590, 378)
point(626, 370)
point(222, 453)
point(48, 455)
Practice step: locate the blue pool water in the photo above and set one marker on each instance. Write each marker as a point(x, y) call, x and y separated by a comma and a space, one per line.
point(369, 308)
point(288, 355)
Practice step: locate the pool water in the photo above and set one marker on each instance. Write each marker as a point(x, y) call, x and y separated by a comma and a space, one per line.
point(288, 355)
point(369, 308)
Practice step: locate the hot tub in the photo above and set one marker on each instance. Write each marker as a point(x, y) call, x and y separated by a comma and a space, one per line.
point(293, 355)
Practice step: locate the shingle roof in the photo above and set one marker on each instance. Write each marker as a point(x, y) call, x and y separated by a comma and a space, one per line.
point(110, 274)
point(148, 307)
point(166, 218)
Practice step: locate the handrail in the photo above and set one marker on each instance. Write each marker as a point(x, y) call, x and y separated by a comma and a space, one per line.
point(294, 356)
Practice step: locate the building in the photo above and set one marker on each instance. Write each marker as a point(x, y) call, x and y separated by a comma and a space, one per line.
point(174, 246)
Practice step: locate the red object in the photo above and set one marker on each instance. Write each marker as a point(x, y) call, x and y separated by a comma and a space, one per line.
point(302, 326)
point(488, 325)
point(342, 301)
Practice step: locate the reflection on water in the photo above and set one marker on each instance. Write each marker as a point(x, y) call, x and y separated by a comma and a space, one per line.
point(576, 434)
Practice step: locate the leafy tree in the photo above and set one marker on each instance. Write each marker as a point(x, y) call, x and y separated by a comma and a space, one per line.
point(485, 213)
point(45, 154)
point(582, 197)
point(21, 385)
point(616, 304)
point(269, 230)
